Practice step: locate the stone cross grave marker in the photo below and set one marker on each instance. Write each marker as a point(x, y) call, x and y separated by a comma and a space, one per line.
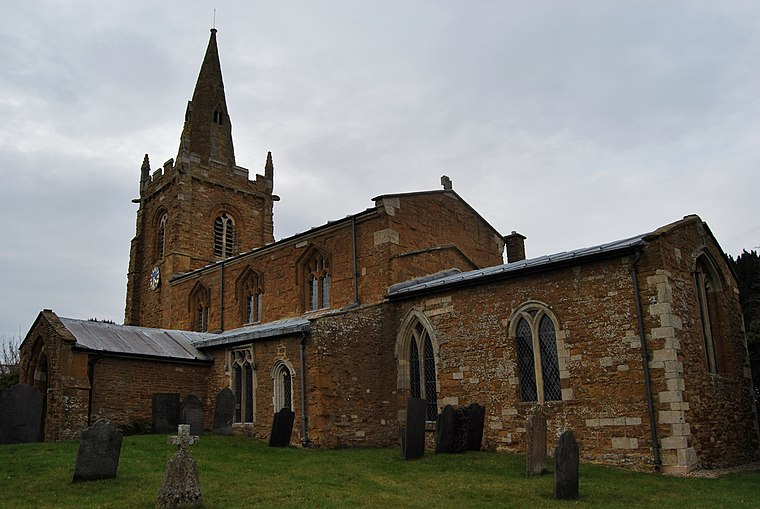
point(566, 473)
point(535, 455)
point(181, 486)
point(99, 451)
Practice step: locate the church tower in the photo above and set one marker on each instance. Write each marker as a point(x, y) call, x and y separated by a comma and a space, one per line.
point(198, 209)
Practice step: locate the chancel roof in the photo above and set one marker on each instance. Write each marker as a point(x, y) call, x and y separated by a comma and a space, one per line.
point(428, 283)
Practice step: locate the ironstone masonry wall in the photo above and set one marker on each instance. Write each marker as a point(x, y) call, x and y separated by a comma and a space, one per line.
point(123, 389)
point(63, 381)
point(700, 417)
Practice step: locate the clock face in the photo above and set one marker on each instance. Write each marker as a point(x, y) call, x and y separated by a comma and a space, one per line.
point(155, 278)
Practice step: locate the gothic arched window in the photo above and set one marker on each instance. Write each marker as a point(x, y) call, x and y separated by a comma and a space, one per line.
point(535, 337)
point(241, 362)
point(417, 357)
point(317, 279)
point(250, 296)
point(224, 236)
point(282, 376)
point(199, 303)
point(707, 280)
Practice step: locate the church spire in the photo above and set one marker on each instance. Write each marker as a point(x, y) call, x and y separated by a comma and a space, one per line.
point(208, 132)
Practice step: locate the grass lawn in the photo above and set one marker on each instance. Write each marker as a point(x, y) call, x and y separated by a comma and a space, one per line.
point(242, 472)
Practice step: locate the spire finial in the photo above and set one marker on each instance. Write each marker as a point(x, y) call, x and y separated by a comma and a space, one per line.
point(213, 25)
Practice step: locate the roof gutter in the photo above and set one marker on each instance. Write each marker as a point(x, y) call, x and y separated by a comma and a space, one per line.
point(136, 356)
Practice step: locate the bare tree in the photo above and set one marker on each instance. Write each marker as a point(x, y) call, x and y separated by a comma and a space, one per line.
point(9, 362)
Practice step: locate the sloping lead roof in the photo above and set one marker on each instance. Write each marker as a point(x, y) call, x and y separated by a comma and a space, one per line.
point(110, 338)
point(423, 284)
point(253, 332)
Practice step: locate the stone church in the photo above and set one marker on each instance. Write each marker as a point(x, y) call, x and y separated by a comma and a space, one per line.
point(636, 345)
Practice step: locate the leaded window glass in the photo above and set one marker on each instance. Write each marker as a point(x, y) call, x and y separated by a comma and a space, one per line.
point(242, 384)
point(317, 271)
point(537, 360)
point(422, 371)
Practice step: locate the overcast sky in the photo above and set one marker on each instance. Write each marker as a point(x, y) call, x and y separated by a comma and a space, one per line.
point(574, 123)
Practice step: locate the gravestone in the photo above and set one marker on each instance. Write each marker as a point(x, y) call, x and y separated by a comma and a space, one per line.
point(461, 429)
point(445, 429)
point(165, 412)
point(566, 473)
point(191, 412)
point(99, 451)
point(282, 428)
point(224, 411)
point(535, 454)
point(20, 415)
point(413, 434)
point(181, 486)
point(477, 414)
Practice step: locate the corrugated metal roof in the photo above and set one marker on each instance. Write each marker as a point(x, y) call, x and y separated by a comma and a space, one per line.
point(138, 341)
point(253, 332)
point(426, 283)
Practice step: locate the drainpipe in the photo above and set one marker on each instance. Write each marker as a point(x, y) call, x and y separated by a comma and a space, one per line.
point(645, 360)
point(91, 378)
point(221, 298)
point(356, 268)
point(304, 418)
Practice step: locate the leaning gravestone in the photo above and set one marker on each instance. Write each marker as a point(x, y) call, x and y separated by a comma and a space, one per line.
point(477, 418)
point(413, 434)
point(445, 430)
point(20, 415)
point(191, 412)
point(535, 454)
point(165, 412)
point(181, 486)
point(566, 473)
point(99, 451)
point(282, 428)
point(224, 411)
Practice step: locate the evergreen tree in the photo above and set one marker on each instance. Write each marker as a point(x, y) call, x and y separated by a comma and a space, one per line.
point(747, 267)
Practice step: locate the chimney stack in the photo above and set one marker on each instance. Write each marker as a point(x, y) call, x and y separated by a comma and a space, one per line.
point(515, 247)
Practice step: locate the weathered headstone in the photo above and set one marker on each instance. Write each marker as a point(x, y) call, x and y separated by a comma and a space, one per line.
point(181, 486)
point(535, 453)
point(20, 415)
point(282, 428)
point(413, 434)
point(99, 451)
point(445, 429)
point(224, 411)
point(566, 469)
point(461, 429)
point(477, 415)
point(191, 412)
point(165, 412)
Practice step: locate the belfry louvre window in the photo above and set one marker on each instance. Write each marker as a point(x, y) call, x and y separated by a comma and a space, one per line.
point(242, 384)
point(161, 237)
point(224, 236)
point(317, 283)
point(422, 379)
point(537, 363)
